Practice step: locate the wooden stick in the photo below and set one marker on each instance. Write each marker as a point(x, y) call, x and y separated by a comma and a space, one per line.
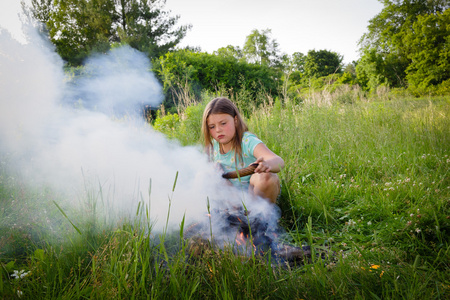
point(242, 172)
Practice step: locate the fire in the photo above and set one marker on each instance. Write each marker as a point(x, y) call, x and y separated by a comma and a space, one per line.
point(240, 239)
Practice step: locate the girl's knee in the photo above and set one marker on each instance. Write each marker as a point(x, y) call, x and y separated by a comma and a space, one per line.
point(264, 180)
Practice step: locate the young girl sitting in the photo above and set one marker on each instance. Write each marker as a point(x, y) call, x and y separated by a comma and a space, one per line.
point(229, 143)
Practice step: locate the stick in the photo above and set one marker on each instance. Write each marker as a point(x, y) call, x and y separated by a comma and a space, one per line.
point(242, 172)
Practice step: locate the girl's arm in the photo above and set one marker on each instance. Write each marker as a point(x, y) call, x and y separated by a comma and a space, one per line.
point(268, 161)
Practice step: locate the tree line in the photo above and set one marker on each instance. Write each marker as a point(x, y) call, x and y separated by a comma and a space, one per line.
point(407, 46)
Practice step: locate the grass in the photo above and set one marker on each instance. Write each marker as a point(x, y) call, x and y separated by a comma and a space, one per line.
point(369, 180)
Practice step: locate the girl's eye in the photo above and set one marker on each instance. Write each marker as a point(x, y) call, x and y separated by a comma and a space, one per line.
point(211, 127)
point(223, 123)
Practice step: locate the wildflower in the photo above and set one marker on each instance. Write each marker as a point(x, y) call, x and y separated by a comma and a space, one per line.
point(418, 230)
point(411, 215)
point(369, 223)
point(19, 274)
point(19, 293)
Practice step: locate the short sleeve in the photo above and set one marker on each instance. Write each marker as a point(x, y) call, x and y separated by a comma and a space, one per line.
point(249, 142)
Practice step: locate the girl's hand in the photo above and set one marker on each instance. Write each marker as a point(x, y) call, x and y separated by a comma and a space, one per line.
point(263, 166)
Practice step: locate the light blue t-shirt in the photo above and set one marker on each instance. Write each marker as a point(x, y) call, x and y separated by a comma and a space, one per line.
point(227, 160)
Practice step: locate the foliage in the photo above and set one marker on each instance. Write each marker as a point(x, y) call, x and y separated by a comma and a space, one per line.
point(429, 50)
point(390, 37)
point(189, 132)
point(197, 71)
point(370, 70)
point(232, 51)
point(167, 124)
point(79, 28)
point(322, 63)
point(260, 48)
point(145, 26)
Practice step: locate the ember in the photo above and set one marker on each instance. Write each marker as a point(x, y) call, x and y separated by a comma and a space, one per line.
point(247, 235)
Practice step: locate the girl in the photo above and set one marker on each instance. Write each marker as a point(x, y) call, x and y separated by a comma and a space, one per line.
point(229, 143)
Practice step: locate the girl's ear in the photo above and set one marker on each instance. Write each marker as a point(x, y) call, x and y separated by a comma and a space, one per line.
point(235, 120)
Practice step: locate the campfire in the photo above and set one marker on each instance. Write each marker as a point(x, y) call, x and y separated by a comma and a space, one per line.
point(246, 234)
point(249, 229)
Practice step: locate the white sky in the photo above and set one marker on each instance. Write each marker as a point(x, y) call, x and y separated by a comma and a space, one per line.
point(297, 25)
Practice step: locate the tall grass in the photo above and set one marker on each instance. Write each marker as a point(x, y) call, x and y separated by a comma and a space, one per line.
point(368, 180)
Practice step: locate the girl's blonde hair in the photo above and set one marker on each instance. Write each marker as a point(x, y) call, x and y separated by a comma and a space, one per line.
point(224, 106)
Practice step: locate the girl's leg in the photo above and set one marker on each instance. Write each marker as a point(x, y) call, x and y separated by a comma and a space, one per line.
point(266, 185)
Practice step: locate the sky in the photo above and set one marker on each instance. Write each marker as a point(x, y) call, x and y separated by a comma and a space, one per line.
point(297, 25)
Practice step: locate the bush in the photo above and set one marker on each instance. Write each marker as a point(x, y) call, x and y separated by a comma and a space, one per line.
point(167, 124)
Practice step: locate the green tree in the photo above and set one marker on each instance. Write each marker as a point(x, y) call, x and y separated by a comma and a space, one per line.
point(428, 44)
point(261, 48)
point(387, 31)
point(298, 62)
point(80, 27)
point(230, 51)
point(370, 70)
point(145, 26)
point(322, 63)
point(197, 71)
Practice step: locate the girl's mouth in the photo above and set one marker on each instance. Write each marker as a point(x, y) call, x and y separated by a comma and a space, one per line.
point(220, 137)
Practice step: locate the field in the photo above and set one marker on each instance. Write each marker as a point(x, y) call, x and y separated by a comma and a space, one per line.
point(367, 181)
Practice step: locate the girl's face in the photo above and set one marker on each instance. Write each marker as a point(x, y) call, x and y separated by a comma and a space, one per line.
point(222, 127)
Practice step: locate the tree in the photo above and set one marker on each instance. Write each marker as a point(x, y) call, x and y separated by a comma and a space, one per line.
point(429, 50)
point(370, 70)
point(322, 63)
point(230, 51)
point(198, 71)
point(80, 27)
point(145, 26)
point(386, 29)
point(387, 32)
point(260, 48)
point(298, 62)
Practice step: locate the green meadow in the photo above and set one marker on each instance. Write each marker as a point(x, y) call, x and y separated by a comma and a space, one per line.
point(366, 180)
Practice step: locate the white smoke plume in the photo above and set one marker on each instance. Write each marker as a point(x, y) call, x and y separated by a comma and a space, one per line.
point(63, 133)
point(103, 140)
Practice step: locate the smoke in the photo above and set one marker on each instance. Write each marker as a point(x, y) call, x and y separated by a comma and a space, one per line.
point(64, 133)
point(87, 132)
